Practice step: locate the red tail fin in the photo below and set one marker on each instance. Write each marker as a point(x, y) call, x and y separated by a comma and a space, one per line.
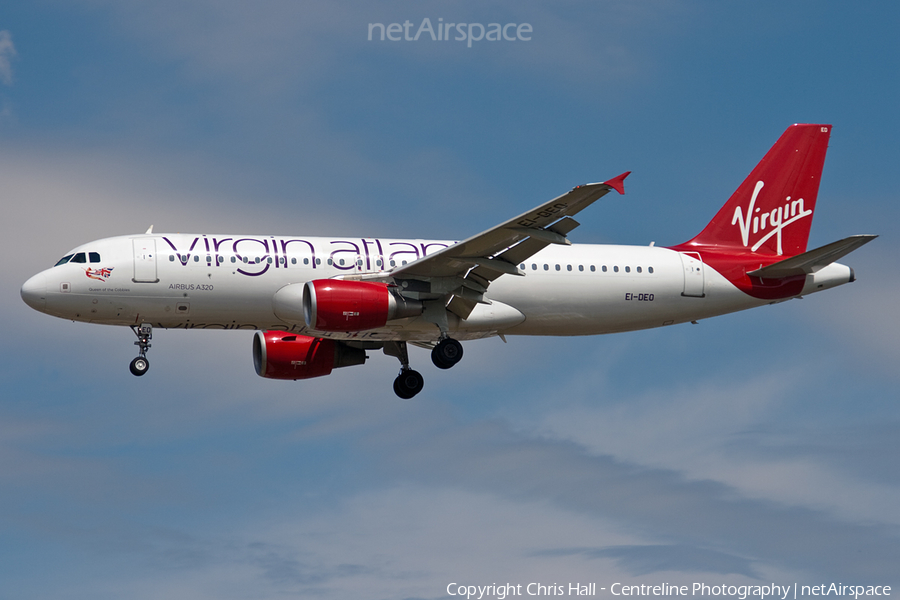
point(771, 212)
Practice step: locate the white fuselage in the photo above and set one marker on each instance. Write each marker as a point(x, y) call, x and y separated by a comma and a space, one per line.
point(229, 281)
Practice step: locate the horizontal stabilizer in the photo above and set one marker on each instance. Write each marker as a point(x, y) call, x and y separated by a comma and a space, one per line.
point(812, 261)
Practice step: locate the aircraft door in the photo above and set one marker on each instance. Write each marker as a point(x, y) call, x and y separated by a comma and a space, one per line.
point(145, 260)
point(693, 274)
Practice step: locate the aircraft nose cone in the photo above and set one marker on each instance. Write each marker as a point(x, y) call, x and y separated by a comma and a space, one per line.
point(34, 292)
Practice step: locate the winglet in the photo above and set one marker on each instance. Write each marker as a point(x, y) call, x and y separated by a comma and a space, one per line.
point(618, 183)
point(149, 231)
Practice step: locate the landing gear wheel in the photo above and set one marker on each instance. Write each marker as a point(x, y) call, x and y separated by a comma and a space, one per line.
point(139, 366)
point(447, 353)
point(408, 383)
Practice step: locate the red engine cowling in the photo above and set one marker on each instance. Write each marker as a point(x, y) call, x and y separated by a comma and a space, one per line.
point(338, 305)
point(280, 355)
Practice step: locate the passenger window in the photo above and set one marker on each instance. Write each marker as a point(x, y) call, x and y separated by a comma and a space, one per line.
point(330, 262)
point(318, 261)
point(638, 269)
point(628, 269)
point(604, 268)
point(378, 263)
point(616, 269)
point(557, 267)
point(196, 258)
point(649, 269)
point(522, 266)
point(581, 267)
point(568, 267)
point(269, 260)
point(64, 260)
point(534, 266)
point(79, 258)
point(393, 263)
point(593, 268)
point(233, 259)
point(546, 267)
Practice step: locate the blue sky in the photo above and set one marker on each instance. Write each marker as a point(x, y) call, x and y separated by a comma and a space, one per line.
point(752, 448)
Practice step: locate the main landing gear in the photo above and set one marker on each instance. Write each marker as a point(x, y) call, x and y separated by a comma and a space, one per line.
point(410, 382)
point(144, 333)
point(447, 353)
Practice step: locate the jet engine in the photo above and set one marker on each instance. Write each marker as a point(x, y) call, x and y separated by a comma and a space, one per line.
point(338, 305)
point(280, 355)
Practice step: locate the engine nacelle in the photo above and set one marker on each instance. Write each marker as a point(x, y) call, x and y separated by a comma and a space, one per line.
point(282, 355)
point(338, 305)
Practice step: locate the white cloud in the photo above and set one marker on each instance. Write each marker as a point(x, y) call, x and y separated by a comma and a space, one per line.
point(7, 54)
point(409, 493)
point(405, 541)
point(57, 199)
point(862, 320)
point(716, 429)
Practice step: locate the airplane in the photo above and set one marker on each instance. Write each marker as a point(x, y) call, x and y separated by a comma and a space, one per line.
point(319, 303)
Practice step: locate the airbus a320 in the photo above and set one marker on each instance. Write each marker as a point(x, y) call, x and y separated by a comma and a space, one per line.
point(319, 303)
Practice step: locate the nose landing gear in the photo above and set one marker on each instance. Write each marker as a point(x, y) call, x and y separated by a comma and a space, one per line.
point(144, 333)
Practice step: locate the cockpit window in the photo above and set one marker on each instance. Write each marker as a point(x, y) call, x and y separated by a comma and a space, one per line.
point(81, 257)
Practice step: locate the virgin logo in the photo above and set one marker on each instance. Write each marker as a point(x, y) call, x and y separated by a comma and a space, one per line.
point(767, 223)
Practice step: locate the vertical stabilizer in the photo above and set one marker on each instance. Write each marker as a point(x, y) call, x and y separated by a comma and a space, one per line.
point(771, 212)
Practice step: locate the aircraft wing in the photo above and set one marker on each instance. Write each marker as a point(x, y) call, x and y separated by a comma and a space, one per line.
point(464, 270)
